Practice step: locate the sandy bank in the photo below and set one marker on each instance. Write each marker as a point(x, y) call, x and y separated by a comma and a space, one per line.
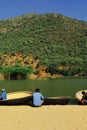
point(68, 117)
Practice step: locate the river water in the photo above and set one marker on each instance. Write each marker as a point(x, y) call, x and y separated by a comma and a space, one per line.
point(54, 87)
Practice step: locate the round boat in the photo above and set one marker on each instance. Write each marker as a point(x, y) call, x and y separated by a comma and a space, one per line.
point(79, 95)
point(17, 98)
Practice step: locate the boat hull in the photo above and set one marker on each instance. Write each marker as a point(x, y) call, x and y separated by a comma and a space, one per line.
point(28, 99)
point(17, 101)
point(56, 101)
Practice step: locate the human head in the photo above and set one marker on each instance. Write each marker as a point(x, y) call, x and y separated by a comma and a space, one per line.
point(3, 89)
point(37, 90)
point(83, 92)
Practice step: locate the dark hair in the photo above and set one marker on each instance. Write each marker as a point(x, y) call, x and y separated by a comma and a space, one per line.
point(83, 92)
point(37, 90)
point(3, 89)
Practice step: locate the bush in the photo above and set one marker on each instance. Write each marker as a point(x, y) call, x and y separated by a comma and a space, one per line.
point(52, 69)
point(17, 69)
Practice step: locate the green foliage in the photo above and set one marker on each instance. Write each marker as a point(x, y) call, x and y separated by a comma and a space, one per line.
point(53, 38)
point(17, 69)
point(52, 69)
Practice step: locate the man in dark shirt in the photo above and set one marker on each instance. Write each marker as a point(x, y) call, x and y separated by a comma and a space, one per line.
point(84, 98)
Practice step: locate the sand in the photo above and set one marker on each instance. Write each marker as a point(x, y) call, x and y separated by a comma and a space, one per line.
point(57, 117)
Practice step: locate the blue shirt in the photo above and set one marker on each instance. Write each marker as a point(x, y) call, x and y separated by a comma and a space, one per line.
point(37, 98)
point(4, 95)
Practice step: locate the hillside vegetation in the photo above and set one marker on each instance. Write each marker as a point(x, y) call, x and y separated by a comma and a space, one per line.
point(58, 42)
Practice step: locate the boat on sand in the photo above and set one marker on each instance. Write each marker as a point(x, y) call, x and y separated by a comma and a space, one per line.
point(17, 98)
point(60, 100)
point(78, 96)
point(26, 98)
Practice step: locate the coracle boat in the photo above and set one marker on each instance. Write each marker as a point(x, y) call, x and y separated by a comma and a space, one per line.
point(26, 98)
point(78, 96)
point(17, 98)
point(61, 100)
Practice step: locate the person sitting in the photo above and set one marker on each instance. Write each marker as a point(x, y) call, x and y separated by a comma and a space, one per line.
point(38, 98)
point(3, 94)
point(84, 98)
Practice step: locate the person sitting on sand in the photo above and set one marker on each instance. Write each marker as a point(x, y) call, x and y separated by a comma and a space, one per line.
point(3, 94)
point(38, 98)
point(84, 98)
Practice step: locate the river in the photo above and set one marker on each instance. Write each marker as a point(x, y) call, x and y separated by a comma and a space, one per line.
point(54, 87)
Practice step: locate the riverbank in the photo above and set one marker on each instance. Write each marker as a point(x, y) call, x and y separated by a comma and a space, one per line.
point(68, 117)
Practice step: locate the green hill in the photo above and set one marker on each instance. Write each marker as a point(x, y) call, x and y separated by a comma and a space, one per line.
point(52, 38)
